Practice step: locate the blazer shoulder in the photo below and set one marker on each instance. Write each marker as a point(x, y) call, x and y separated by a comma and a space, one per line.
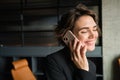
point(55, 54)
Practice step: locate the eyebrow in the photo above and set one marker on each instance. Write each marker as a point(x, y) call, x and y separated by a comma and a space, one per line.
point(86, 28)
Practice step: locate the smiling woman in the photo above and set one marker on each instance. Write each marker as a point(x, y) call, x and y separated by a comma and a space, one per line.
point(86, 31)
point(71, 63)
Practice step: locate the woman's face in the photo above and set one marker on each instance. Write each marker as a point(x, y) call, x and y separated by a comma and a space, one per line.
point(86, 31)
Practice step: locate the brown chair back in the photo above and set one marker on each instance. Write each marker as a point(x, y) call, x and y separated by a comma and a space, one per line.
point(119, 62)
point(22, 71)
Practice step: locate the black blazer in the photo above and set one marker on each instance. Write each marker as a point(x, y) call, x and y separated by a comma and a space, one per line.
point(59, 66)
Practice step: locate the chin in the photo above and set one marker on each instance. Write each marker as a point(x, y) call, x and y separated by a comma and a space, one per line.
point(92, 48)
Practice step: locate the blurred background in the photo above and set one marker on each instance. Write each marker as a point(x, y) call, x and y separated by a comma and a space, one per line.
point(27, 31)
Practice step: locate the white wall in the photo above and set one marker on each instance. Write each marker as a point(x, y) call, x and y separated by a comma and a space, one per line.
point(111, 38)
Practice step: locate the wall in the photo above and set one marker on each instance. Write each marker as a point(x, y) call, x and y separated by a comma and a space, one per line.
point(111, 38)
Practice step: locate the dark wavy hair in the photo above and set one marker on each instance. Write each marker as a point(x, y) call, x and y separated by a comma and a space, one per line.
point(68, 20)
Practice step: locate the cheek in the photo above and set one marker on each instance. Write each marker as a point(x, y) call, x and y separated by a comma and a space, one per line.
point(97, 35)
point(82, 37)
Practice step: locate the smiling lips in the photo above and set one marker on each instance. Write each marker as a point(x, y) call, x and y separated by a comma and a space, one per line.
point(90, 43)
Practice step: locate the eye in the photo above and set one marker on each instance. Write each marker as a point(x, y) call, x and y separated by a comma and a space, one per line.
point(84, 31)
point(95, 29)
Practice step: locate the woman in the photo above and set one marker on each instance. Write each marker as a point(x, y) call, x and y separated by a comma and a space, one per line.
point(71, 62)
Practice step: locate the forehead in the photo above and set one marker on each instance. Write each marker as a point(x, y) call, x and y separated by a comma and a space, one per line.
point(85, 21)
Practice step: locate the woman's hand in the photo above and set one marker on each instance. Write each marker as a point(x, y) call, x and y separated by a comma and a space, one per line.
point(78, 54)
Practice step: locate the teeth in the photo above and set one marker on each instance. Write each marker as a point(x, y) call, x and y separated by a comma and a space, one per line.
point(90, 42)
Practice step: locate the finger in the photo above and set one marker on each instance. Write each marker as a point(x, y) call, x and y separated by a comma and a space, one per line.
point(71, 47)
point(75, 41)
point(71, 43)
point(78, 48)
point(84, 50)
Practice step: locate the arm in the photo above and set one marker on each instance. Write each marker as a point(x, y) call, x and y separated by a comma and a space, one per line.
point(86, 70)
point(84, 75)
point(78, 54)
point(81, 74)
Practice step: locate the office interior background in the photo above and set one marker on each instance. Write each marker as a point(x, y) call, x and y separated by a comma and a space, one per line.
point(27, 31)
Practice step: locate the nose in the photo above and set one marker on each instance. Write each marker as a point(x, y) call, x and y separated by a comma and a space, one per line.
point(91, 34)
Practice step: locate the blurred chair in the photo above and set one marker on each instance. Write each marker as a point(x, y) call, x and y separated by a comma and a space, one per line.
point(119, 62)
point(22, 71)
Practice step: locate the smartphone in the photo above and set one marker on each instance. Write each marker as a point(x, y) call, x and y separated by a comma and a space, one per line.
point(69, 36)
